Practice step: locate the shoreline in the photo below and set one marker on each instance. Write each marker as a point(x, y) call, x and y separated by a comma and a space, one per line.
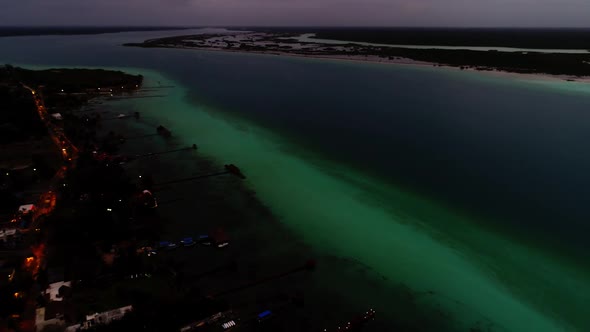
point(373, 59)
point(261, 229)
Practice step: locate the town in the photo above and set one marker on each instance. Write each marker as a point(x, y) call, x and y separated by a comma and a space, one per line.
point(80, 234)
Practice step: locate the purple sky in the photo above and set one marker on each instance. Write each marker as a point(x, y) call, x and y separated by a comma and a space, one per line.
point(547, 13)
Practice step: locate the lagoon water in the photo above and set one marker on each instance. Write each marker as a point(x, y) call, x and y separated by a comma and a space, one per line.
point(469, 188)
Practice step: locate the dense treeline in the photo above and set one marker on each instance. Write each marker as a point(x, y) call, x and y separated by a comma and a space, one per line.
point(531, 62)
point(504, 37)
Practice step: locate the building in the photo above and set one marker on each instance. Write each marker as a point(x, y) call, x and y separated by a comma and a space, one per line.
point(52, 290)
point(9, 236)
point(53, 313)
point(26, 209)
point(103, 318)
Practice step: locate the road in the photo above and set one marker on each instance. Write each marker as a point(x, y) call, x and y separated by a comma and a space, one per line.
point(69, 150)
point(47, 200)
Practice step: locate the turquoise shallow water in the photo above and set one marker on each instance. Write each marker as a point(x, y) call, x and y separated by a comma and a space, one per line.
point(401, 237)
point(360, 205)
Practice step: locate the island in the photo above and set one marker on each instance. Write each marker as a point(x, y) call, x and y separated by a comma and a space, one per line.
point(295, 43)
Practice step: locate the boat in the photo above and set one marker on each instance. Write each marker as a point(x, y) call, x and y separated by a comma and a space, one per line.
point(233, 169)
point(163, 131)
point(188, 242)
point(220, 238)
point(205, 240)
point(167, 245)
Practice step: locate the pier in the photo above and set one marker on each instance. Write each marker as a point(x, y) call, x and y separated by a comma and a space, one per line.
point(310, 265)
point(229, 170)
point(152, 154)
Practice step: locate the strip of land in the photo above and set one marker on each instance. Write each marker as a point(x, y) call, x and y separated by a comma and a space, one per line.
point(565, 65)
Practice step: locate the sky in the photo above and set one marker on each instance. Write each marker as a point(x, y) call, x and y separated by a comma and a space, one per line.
point(488, 13)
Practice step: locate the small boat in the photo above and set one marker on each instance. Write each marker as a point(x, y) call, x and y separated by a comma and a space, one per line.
point(205, 240)
point(234, 170)
point(163, 131)
point(220, 238)
point(167, 245)
point(188, 242)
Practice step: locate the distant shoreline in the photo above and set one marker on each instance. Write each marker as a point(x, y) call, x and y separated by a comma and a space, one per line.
point(53, 31)
point(567, 66)
point(398, 61)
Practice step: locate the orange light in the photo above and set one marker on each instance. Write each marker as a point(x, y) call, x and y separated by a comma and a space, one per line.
point(30, 259)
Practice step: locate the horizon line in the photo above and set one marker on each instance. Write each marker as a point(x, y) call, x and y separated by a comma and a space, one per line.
point(292, 26)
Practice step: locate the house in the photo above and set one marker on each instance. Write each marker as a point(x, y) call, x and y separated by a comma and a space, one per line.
point(52, 290)
point(25, 209)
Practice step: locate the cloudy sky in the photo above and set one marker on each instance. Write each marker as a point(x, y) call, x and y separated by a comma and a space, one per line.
point(545, 13)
